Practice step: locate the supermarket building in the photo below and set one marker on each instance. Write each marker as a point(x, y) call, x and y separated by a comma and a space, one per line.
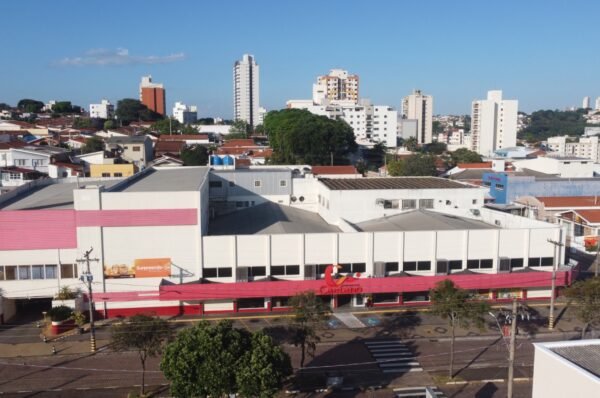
point(194, 240)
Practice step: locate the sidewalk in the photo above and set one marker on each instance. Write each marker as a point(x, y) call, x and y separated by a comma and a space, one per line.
point(382, 324)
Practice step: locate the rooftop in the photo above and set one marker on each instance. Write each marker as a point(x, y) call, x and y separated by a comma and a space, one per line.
point(178, 179)
point(569, 201)
point(53, 196)
point(422, 220)
point(269, 218)
point(481, 165)
point(392, 183)
point(584, 354)
point(316, 170)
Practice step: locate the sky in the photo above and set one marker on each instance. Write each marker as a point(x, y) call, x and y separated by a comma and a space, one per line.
point(543, 53)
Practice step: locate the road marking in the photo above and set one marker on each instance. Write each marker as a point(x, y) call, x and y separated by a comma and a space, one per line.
point(390, 354)
point(400, 370)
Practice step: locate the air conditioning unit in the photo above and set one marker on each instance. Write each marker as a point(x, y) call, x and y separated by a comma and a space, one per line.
point(379, 267)
point(476, 212)
point(309, 272)
point(241, 274)
point(504, 265)
point(442, 267)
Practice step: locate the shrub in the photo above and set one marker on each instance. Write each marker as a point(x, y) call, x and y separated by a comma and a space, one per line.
point(65, 293)
point(60, 313)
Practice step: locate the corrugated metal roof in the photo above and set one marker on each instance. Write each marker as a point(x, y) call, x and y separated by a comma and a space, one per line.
point(585, 356)
point(392, 183)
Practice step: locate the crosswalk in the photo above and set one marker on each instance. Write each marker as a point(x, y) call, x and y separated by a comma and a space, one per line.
point(393, 356)
point(418, 392)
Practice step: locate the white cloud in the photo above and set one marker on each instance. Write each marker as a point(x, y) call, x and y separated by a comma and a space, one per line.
point(120, 56)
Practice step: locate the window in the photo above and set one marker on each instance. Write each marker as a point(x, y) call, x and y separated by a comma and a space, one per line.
point(37, 272)
point(455, 264)
point(546, 261)
point(215, 184)
point(474, 201)
point(486, 263)
point(391, 267)
point(20, 162)
point(423, 265)
point(216, 272)
point(257, 183)
point(51, 271)
point(472, 264)
point(391, 204)
point(409, 204)
point(409, 266)
point(68, 271)
point(24, 272)
point(286, 269)
point(135, 149)
point(283, 183)
point(118, 174)
point(516, 262)
point(10, 272)
point(257, 271)
point(425, 203)
point(500, 187)
point(105, 174)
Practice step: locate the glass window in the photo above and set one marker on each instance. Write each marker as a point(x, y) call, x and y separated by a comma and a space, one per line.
point(24, 272)
point(425, 203)
point(257, 271)
point(533, 262)
point(257, 183)
point(277, 270)
point(409, 266)
point(409, 204)
point(391, 267)
point(472, 264)
point(135, 149)
point(209, 272)
point(516, 262)
point(105, 174)
point(1, 273)
point(66, 271)
point(118, 174)
point(321, 268)
point(282, 183)
point(359, 267)
point(547, 261)
point(486, 263)
point(423, 265)
point(10, 272)
point(346, 268)
point(37, 272)
point(224, 272)
point(455, 264)
point(50, 271)
point(292, 270)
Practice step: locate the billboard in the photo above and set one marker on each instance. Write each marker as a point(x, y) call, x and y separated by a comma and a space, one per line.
point(141, 268)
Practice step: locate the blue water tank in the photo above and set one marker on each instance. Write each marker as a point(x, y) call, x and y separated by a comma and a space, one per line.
point(228, 161)
point(216, 160)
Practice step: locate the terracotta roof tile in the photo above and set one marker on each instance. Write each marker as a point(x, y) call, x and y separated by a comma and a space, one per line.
point(569, 201)
point(316, 170)
point(482, 165)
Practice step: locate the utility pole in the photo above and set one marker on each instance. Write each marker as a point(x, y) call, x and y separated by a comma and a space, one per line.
point(557, 245)
point(511, 351)
point(87, 278)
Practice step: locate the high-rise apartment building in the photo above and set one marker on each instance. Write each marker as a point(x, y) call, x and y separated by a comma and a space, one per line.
point(493, 123)
point(185, 114)
point(245, 90)
point(103, 110)
point(419, 107)
point(152, 95)
point(586, 103)
point(336, 87)
point(597, 107)
point(585, 147)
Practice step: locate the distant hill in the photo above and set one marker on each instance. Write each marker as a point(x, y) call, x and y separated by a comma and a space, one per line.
point(548, 123)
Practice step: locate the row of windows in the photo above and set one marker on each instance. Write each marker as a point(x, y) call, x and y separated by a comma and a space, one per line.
point(113, 175)
point(404, 204)
point(257, 184)
point(37, 271)
point(390, 267)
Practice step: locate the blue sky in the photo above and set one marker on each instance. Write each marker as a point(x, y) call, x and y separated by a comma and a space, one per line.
point(543, 53)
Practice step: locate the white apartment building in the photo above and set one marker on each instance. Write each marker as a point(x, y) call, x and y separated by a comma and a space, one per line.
point(597, 107)
point(185, 114)
point(371, 123)
point(103, 110)
point(584, 147)
point(561, 166)
point(493, 123)
point(585, 104)
point(245, 90)
point(338, 85)
point(420, 107)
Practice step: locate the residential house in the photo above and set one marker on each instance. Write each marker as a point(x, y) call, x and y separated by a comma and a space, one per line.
point(136, 149)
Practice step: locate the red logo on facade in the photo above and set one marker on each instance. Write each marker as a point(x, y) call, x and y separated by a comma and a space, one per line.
point(342, 285)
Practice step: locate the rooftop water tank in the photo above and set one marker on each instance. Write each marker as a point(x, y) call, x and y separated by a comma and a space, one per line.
point(216, 160)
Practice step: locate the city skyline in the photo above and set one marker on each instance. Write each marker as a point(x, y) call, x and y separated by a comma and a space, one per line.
point(464, 50)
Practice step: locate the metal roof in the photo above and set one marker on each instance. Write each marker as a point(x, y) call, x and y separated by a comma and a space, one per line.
point(422, 220)
point(586, 356)
point(392, 183)
point(177, 179)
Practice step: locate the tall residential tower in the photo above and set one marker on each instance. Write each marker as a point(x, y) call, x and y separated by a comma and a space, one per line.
point(245, 90)
point(153, 95)
point(419, 107)
point(493, 123)
point(338, 86)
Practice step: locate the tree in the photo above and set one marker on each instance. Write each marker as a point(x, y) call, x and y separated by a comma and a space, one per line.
point(548, 123)
point(129, 110)
point(109, 124)
point(586, 295)
point(219, 360)
point(411, 144)
point(308, 313)
point(92, 144)
point(166, 126)
point(463, 155)
point(240, 127)
point(413, 165)
point(62, 107)
point(195, 155)
point(30, 105)
point(4, 107)
point(436, 148)
point(144, 334)
point(82, 123)
point(455, 305)
point(205, 121)
point(300, 137)
point(437, 127)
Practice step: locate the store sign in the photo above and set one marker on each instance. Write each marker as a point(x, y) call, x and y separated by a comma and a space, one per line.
point(346, 284)
point(141, 268)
